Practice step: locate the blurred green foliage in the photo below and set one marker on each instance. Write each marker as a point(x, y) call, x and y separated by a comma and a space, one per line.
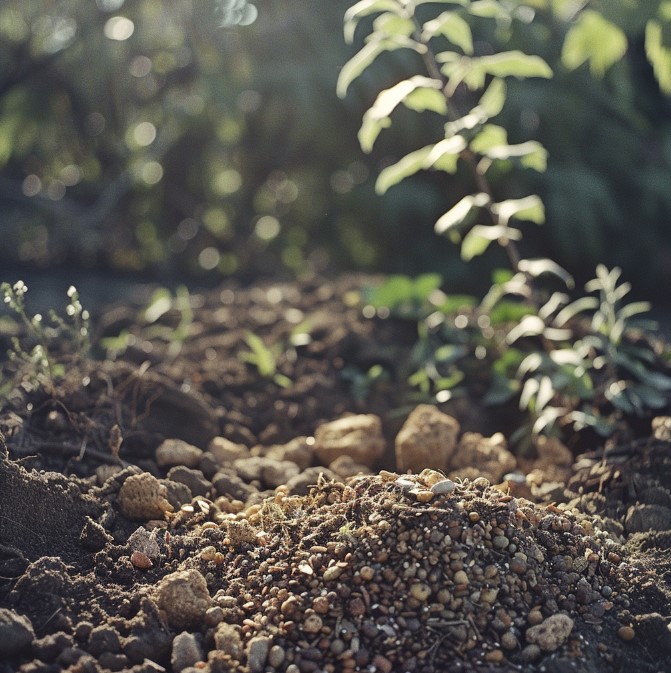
point(160, 136)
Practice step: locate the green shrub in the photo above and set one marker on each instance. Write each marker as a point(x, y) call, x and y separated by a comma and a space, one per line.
point(583, 363)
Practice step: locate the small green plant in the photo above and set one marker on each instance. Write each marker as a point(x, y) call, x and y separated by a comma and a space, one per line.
point(40, 353)
point(582, 363)
point(264, 358)
point(149, 319)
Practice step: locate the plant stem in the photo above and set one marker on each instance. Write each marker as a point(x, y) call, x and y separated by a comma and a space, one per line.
point(483, 185)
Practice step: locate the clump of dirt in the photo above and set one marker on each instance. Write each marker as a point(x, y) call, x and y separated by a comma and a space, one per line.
point(172, 512)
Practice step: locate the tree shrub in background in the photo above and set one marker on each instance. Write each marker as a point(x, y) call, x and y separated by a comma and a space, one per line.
point(586, 363)
point(193, 148)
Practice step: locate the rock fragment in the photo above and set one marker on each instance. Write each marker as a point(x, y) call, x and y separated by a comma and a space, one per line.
point(257, 653)
point(225, 451)
point(184, 598)
point(186, 651)
point(551, 633)
point(427, 439)
point(177, 452)
point(298, 451)
point(143, 497)
point(194, 480)
point(359, 437)
point(479, 456)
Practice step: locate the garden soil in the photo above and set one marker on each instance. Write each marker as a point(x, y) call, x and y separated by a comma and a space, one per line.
point(171, 510)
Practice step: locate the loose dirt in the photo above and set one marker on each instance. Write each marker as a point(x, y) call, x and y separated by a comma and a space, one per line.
point(168, 511)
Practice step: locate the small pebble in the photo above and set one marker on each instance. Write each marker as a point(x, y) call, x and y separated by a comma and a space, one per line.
point(424, 496)
point(460, 577)
point(381, 664)
point(312, 624)
point(276, 656)
point(332, 573)
point(494, 657)
point(140, 560)
point(626, 633)
point(367, 573)
point(420, 591)
point(443, 487)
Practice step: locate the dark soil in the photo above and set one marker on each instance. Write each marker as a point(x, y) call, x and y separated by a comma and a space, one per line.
point(242, 571)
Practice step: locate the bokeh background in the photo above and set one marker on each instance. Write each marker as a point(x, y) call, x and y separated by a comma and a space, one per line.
point(170, 141)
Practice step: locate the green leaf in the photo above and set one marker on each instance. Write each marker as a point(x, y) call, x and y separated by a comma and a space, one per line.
point(505, 64)
point(593, 39)
point(423, 98)
point(261, 356)
point(366, 55)
point(459, 212)
point(395, 290)
point(364, 8)
point(441, 156)
point(377, 116)
point(659, 54)
point(160, 303)
point(469, 121)
point(515, 64)
point(494, 98)
point(392, 25)
point(530, 209)
point(477, 240)
point(488, 9)
point(425, 284)
point(531, 154)
point(489, 136)
point(403, 168)
point(445, 154)
point(453, 27)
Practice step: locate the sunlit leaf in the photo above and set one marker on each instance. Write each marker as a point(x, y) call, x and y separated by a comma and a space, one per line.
point(528, 393)
point(458, 213)
point(445, 154)
point(423, 98)
point(529, 208)
point(488, 9)
point(635, 308)
point(477, 240)
point(469, 121)
point(451, 26)
point(440, 156)
point(390, 24)
point(545, 393)
point(494, 98)
point(530, 325)
point(365, 56)
point(488, 137)
point(593, 39)
point(538, 267)
point(547, 419)
point(575, 308)
point(160, 304)
point(505, 64)
point(365, 8)
point(530, 154)
point(408, 165)
point(377, 116)
point(658, 52)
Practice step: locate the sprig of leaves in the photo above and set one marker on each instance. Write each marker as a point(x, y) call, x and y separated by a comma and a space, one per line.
point(39, 354)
